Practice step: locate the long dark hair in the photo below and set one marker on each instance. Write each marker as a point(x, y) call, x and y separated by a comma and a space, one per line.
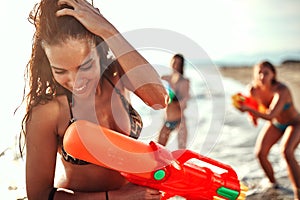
point(51, 30)
point(180, 56)
point(270, 66)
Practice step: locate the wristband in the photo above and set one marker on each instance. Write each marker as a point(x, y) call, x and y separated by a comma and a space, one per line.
point(52, 193)
point(106, 195)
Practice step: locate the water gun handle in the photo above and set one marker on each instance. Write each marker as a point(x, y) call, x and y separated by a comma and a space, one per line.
point(223, 184)
point(183, 156)
point(239, 99)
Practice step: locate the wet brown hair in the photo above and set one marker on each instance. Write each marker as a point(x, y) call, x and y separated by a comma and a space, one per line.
point(51, 30)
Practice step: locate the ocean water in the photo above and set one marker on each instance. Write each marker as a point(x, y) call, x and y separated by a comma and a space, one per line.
point(215, 129)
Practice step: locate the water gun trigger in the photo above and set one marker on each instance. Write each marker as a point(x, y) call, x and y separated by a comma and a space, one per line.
point(162, 155)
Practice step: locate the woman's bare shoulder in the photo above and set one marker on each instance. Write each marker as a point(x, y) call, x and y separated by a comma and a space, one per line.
point(281, 86)
point(282, 89)
point(45, 114)
point(255, 92)
point(186, 80)
point(166, 77)
point(251, 88)
point(44, 107)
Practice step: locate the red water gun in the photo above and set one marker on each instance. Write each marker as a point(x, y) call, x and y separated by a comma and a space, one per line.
point(240, 99)
point(179, 173)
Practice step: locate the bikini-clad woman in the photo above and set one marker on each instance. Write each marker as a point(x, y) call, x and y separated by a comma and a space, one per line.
point(283, 122)
point(174, 116)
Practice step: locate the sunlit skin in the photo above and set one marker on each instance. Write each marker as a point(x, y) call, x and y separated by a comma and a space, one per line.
point(274, 95)
point(268, 94)
point(175, 110)
point(263, 76)
point(74, 64)
point(76, 69)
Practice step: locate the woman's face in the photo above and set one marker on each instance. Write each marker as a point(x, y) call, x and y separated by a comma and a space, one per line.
point(263, 75)
point(176, 64)
point(75, 65)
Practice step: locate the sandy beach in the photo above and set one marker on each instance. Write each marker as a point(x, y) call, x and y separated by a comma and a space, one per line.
point(289, 74)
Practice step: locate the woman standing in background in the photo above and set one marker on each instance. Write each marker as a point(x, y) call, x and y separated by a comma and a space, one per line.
point(283, 122)
point(179, 95)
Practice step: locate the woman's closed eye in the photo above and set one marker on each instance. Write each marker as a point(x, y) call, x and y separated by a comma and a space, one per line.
point(60, 71)
point(85, 68)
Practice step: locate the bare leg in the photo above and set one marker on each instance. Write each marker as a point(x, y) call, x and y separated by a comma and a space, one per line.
point(164, 135)
point(290, 142)
point(182, 134)
point(268, 136)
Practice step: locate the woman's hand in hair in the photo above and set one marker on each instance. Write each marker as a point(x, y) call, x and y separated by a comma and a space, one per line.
point(88, 16)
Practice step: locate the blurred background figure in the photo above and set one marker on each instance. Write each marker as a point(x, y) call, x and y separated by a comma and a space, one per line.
point(283, 122)
point(178, 89)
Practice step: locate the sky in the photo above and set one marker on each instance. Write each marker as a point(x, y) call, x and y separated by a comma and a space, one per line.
point(225, 29)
